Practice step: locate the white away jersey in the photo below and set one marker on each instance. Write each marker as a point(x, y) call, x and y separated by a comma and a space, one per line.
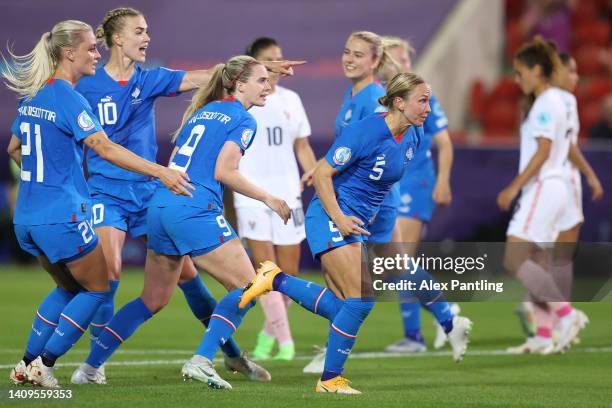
point(571, 171)
point(270, 162)
point(547, 118)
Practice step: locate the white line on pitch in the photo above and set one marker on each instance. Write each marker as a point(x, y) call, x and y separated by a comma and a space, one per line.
point(357, 356)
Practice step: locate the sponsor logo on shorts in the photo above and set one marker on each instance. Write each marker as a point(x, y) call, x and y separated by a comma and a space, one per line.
point(245, 139)
point(342, 155)
point(252, 224)
point(85, 121)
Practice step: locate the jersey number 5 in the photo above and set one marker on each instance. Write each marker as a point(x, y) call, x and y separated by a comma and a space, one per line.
point(188, 148)
point(378, 170)
point(26, 150)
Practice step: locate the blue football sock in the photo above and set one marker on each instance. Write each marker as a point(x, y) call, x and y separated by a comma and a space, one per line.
point(123, 325)
point(103, 315)
point(202, 303)
point(73, 322)
point(342, 334)
point(432, 300)
point(411, 318)
point(309, 295)
point(224, 321)
point(45, 322)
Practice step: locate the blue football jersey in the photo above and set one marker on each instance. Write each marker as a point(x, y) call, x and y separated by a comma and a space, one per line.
point(199, 144)
point(357, 107)
point(435, 122)
point(51, 127)
point(127, 114)
point(370, 160)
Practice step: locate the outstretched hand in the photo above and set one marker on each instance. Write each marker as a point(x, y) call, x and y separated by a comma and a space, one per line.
point(284, 67)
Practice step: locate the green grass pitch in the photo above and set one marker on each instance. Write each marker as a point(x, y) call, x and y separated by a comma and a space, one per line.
point(150, 372)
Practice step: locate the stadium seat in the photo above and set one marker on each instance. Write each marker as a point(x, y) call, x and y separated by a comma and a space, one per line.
point(505, 89)
point(585, 12)
point(514, 9)
point(589, 114)
point(514, 38)
point(501, 117)
point(588, 60)
point(477, 100)
point(592, 33)
point(595, 89)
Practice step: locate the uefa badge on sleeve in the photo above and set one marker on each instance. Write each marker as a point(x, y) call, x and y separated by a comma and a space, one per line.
point(544, 118)
point(245, 138)
point(342, 155)
point(85, 121)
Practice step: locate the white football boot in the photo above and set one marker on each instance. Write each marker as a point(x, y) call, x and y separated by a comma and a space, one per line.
point(18, 374)
point(534, 345)
point(317, 363)
point(201, 369)
point(406, 346)
point(86, 374)
point(441, 338)
point(458, 337)
point(40, 374)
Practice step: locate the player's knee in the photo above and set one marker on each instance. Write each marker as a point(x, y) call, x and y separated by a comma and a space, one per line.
point(188, 272)
point(156, 306)
point(155, 303)
point(113, 265)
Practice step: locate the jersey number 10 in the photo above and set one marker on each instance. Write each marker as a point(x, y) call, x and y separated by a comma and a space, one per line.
point(108, 113)
point(275, 136)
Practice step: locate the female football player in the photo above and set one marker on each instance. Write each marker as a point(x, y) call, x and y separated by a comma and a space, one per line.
point(53, 212)
point(215, 132)
point(351, 183)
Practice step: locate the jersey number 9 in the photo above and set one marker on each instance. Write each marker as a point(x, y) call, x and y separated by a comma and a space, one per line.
point(188, 148)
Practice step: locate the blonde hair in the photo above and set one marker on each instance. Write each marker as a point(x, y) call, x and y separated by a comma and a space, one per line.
point(376, 45)
point(114, 21)
point(391, 42)
point(222, 83)
point(26, 74)
point(400, 87)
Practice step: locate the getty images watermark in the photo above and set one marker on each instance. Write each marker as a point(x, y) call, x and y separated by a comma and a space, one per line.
point(489, 271)
point(402, 272)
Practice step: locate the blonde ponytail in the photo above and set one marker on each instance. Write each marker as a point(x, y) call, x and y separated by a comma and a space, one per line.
point(26, 74)
point(222, 83)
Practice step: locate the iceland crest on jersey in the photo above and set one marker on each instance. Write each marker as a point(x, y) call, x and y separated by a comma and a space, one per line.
point(245, 139)
point(348, 115)
point(342, 155)
point(410, 153)
point(85, 121)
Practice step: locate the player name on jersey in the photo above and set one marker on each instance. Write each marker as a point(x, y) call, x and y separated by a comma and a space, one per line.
point(221, 117)
point(37, 112)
